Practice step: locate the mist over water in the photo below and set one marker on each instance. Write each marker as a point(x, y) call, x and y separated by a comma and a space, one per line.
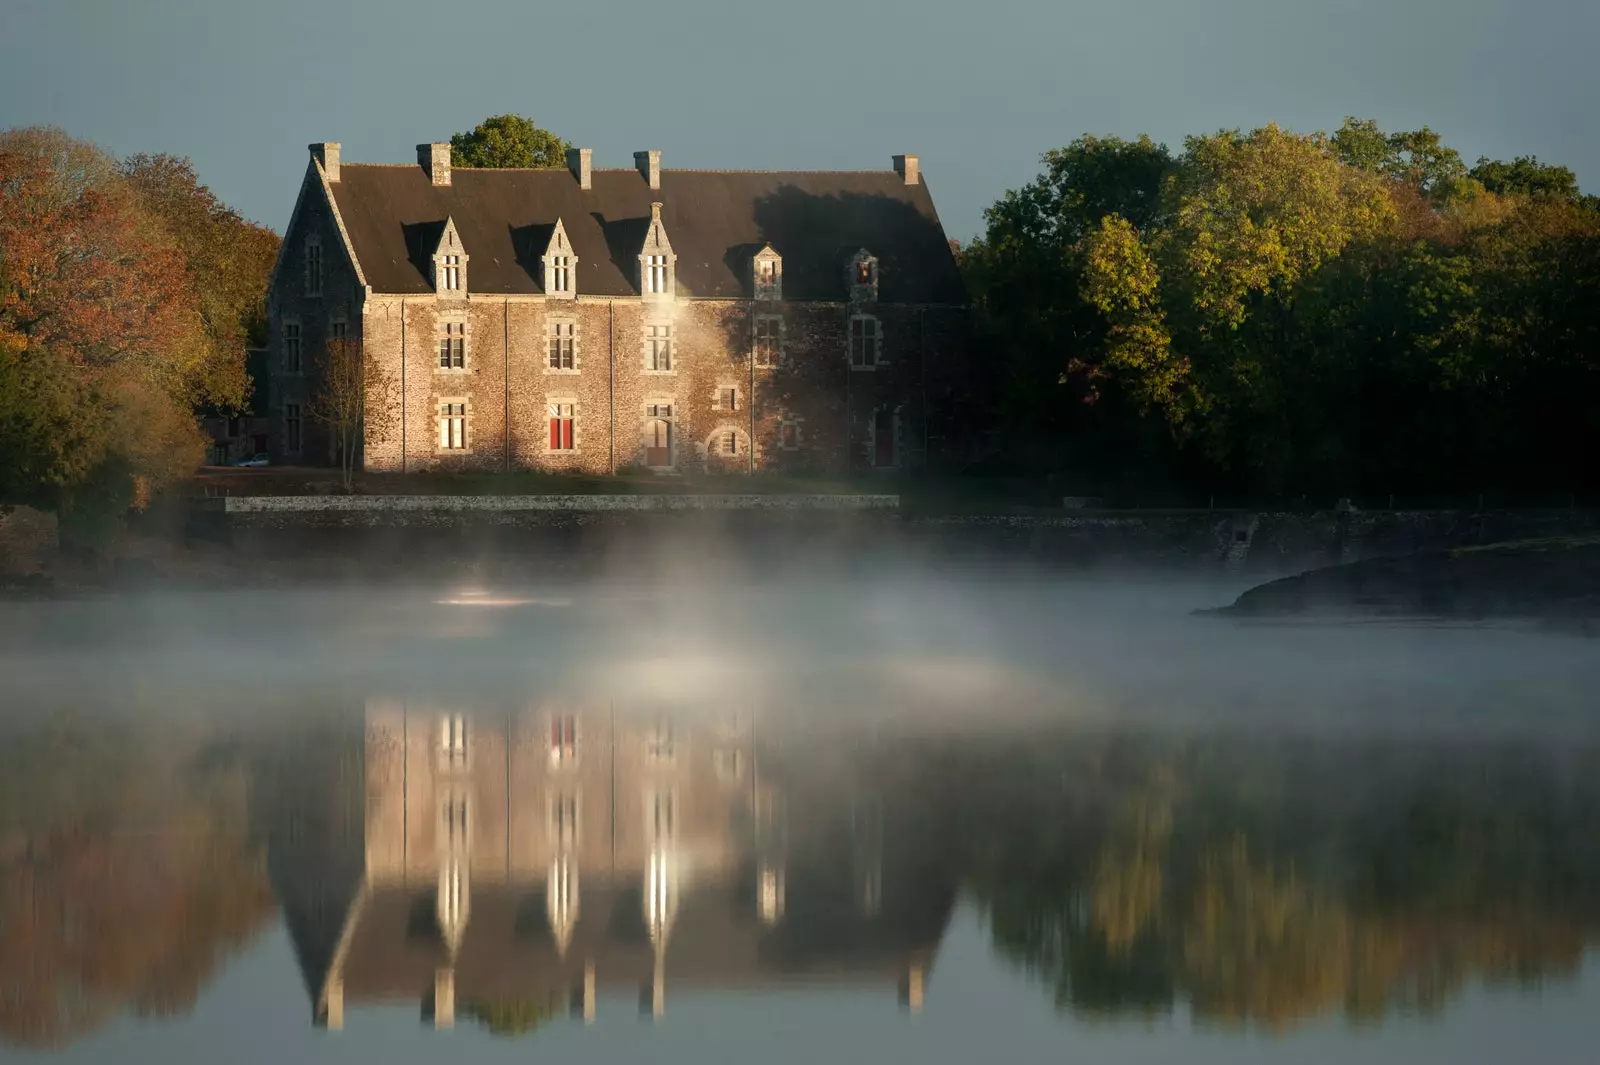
point(844, 807)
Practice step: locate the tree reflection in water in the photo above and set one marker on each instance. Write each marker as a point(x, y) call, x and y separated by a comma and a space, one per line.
point(1272, 882)
point(127, 873)
point(1259, 880)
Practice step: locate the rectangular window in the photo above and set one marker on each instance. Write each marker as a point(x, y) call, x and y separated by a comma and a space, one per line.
point(769, 340)
point(338, 330)
point(560, 273)
point(563, 738)
point(563, 337)
point(453, 346)
point(863, 342)
point(313, 269)
point(453, 426)
point(564, 821)
point(789, 435)
point(769, 271)
point(450, 268)
point(453, 740)
point(730, 443)
point(658, 345)
point(659, 745)
point(561, 426)
point(291, 347)
point(663, 817)
point(454, 814)
point(291, 428)
point(864, 272)
point(729, 398)
point(655, 274)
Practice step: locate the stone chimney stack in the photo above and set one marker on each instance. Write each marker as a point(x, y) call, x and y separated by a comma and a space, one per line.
point(435, 162)
point(906, 166)
point(649, 164)
point(327, 153)
point(580, 161)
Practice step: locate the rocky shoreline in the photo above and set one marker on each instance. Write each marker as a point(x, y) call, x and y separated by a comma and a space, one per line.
point(1555, 579)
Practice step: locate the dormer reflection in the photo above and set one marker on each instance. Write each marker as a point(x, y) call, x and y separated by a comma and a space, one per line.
point(519, 862)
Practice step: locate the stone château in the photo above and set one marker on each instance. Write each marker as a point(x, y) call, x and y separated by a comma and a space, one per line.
point(593, 320)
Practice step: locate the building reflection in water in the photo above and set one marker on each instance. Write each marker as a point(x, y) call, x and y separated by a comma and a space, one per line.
point(511, 867)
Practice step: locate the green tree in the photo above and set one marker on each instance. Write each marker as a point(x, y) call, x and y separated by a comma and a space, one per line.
point(1025, 272)
point(1527, 176)
point(508, 142)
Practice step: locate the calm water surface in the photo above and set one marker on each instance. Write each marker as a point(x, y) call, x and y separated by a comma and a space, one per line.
point(938, 821)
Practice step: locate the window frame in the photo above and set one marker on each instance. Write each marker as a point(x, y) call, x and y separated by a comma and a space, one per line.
point(454, 412)
point(452, 345)
point(564, 739)
point(659, 340)
point(766, 351)
point(561, 349)
point(293, 346)
point(561, 414)
point(314, 267)
point(859, 333)
point(293, 428)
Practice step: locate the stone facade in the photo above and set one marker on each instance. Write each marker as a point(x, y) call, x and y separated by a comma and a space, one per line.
point(570, 381)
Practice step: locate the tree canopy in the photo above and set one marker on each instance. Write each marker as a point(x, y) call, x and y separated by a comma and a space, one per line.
point(1270, 314)
point(128, 293)
point(508, 142)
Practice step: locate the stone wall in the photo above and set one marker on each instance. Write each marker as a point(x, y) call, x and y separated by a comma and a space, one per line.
point(508, 384)
point(600, 534)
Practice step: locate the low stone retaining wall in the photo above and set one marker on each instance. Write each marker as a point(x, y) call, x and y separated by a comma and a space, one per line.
point(570, 533)
point(585, 504)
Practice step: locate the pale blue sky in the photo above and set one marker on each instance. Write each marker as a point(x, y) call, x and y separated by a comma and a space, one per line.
point(978, 89)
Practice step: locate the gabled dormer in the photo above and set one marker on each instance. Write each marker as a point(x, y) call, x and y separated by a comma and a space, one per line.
point(560, 266)
point(862, 277)
point(657, 263)
point(767, 274)
point(450, 264)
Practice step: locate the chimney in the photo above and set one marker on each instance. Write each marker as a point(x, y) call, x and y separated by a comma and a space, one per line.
point(649, 164)
point(435, 162)
point(906, 167)
point(580, 162)
point(444, 985)
point(327, 153)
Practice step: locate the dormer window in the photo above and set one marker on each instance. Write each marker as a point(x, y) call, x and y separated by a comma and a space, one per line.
point(560, 265)
point(450, 262)
point(863, 276)
point(656, 260)
point(768, 274)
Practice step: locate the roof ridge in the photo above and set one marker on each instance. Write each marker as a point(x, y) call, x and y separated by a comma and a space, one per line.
point(632, 170)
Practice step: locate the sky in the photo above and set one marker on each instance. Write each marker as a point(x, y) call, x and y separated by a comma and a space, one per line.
point(978, 90)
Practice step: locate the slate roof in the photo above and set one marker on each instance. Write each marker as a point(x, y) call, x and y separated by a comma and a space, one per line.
point(716, 220)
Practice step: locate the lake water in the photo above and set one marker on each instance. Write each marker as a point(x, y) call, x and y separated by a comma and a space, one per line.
point(1005, 819)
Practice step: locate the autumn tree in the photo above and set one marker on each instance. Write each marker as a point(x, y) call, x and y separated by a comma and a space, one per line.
point(508, 142)
point(99, 321)
point(229, 260)
point(356, 400)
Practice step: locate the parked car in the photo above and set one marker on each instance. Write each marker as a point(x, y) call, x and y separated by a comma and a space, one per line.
point(258, 459)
